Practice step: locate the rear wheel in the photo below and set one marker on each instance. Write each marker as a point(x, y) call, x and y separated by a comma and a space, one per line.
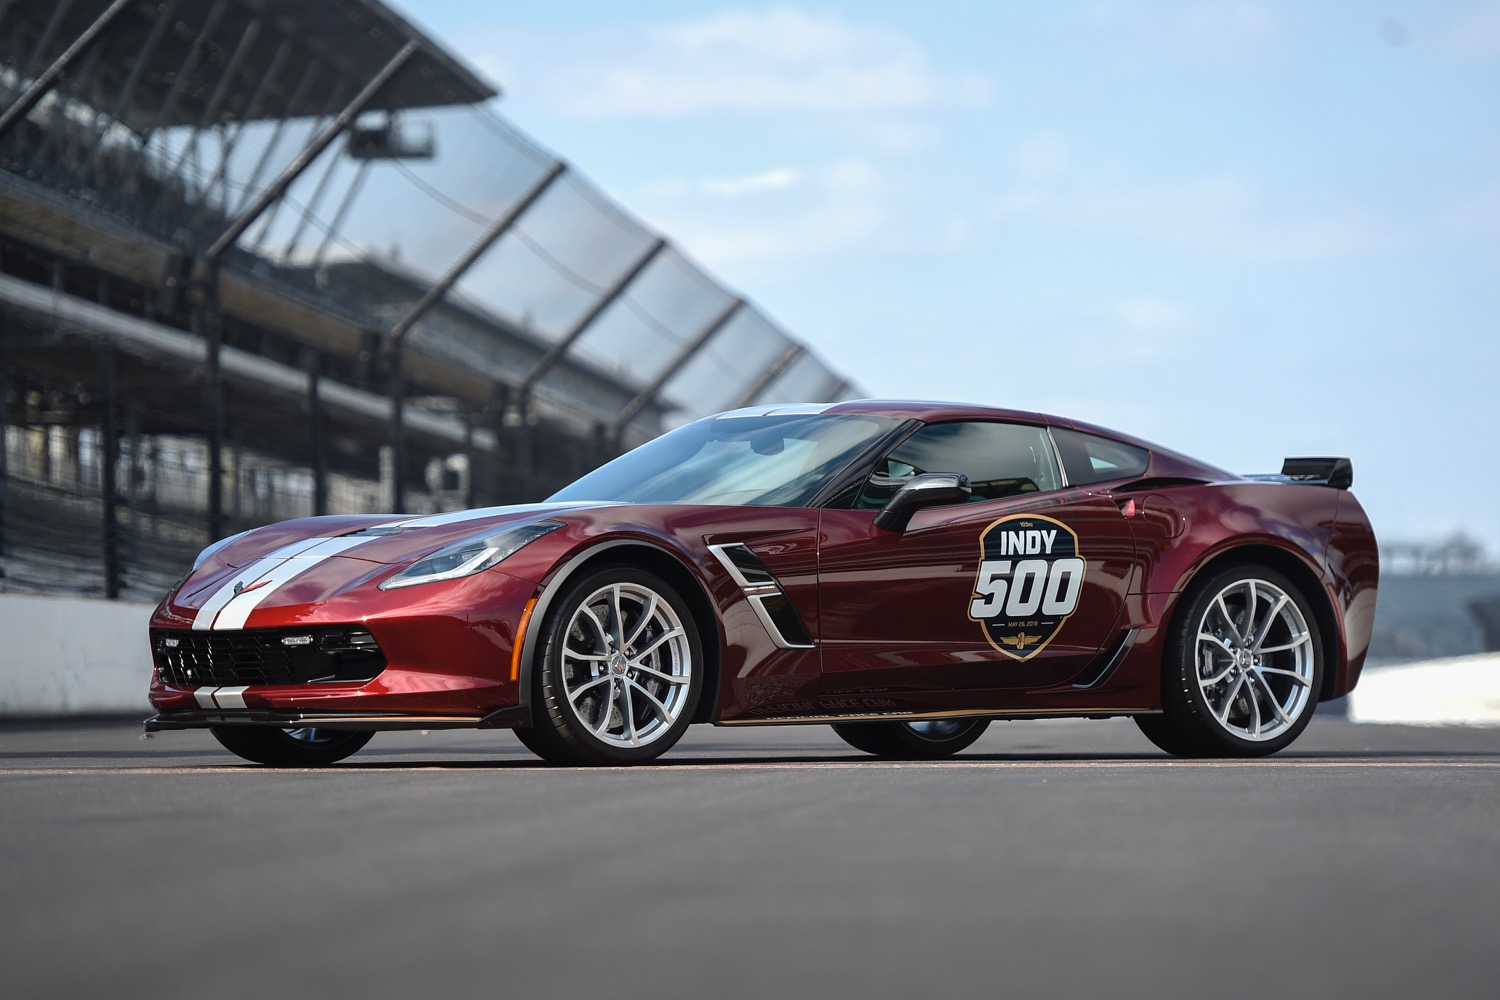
point(621, 669)
point(1242, 670)
point(922, 740)
point(305, 747)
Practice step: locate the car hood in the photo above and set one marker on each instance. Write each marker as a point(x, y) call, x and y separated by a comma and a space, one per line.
point(383, 539)
point(310, 561)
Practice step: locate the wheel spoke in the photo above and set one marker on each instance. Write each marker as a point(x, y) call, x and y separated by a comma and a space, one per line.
point(1296, 677)
point(1228, 618)
point(1254, 705)
point(1250, 609)
point(643, 621)
point(1223, 717)
point(586, 657)
point(1210, 637)
point(603, 633)
point(656, 705)
point(1265, 628)
point(659, 675)
point(1211, 681)
point(585, 686)
point(1271, 698)
point(608, 703)
point(627, 709)
point(619, 622)
point(655, 645)
point(1301, 639)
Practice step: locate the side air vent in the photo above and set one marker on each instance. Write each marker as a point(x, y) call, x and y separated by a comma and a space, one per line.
point(763, 591)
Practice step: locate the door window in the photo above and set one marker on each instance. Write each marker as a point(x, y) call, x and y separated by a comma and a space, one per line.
point(1001, 460)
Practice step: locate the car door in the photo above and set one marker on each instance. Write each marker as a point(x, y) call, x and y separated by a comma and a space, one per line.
point(1019, 588)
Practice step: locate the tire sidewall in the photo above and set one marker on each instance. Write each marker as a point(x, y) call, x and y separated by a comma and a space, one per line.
point(896, 740)
point(572, 738)
point(279, 748)
point(1183, 697)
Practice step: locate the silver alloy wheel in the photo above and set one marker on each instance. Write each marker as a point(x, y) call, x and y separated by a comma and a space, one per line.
point(627, 665)
point(313, 737)
point(1255, 660)
point(939, 729)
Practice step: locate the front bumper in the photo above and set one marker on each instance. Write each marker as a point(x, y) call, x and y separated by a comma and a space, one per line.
point(504, 718)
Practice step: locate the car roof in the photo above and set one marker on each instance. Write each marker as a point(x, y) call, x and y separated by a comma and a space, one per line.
point(1165, 461)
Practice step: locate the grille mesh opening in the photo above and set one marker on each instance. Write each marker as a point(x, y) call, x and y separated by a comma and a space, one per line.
point(266, 656)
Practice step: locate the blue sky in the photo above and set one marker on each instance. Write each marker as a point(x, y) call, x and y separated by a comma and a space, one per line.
point(1246, 229)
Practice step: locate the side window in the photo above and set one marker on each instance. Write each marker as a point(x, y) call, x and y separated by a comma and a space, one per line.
point(1093, 459)
point(1001, 460)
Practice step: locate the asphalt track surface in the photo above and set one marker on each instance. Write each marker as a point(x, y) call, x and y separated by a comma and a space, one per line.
point(1051, 859)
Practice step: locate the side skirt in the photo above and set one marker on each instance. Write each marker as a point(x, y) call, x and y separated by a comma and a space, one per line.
point(997, 714)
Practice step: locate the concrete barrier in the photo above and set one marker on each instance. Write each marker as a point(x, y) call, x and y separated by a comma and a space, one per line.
point(63, 656)
point(1455, 691)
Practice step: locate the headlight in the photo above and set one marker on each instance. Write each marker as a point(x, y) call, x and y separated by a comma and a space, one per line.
point(215, 547)
point(470, 556)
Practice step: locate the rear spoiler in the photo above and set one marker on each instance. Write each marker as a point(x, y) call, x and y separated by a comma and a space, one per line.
point(1335, 472)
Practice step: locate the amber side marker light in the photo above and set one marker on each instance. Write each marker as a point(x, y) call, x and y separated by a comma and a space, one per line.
point(521, 626)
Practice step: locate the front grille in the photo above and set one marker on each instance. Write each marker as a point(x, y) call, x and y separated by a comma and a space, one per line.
point(266, 656)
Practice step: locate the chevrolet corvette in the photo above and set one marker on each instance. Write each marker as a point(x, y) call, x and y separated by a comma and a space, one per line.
point(906, 572)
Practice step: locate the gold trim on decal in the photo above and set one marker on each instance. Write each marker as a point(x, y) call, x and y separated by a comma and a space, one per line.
point(1020, 654)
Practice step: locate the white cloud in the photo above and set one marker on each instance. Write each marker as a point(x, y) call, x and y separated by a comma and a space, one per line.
point(1153, 316)
point(772, 61)
point(1228, 213)
point(779, 217)
point(1219, 34)
point(735, 187)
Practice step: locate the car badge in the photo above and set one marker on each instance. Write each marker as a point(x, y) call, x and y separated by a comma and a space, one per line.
point(240, 588)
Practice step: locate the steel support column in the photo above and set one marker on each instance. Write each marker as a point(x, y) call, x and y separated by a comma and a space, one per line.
point(317, 431)
point(396, 339)
point(274, 139)
point(565, 343)
point(521, 397)
point(189, 65)
point(330, 132)
point(207, 323)
point(42, 84)
point(109, 453)
point(771, 374)
point(4, 443)
point(689, 350)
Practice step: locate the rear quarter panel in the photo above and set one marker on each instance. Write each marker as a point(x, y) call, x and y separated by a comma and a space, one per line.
point(1320, 534)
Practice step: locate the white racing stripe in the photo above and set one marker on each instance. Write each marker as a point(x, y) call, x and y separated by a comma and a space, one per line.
point(248, 576)
point(231, 697)
point(237, 609)
point(205, 697)
point(230, 608)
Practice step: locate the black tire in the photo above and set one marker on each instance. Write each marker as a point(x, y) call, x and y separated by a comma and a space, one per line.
point(1232, 688)
point(912, 740)
point(588, 687)
point(308, 747)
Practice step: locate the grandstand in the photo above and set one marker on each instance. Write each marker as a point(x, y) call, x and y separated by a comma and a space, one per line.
point(267, 258)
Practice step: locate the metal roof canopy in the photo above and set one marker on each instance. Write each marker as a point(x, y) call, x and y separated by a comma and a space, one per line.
point(168, 59)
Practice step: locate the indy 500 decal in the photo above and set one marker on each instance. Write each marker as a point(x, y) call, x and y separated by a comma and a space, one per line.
point(1030, 577)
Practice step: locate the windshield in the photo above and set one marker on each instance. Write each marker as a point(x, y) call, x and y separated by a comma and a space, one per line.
point(779, 461)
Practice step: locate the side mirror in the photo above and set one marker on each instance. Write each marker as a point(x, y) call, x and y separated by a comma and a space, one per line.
point(931, 489)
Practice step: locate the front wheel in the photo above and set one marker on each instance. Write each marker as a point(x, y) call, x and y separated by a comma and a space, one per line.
point(1242, 670)
point(306, 747)
point(620, 671)
point(923, 740)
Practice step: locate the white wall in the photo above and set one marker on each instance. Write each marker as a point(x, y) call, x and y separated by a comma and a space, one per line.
point(73, 656)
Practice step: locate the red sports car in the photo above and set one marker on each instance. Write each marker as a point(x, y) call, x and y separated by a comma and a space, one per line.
point(904, 571)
